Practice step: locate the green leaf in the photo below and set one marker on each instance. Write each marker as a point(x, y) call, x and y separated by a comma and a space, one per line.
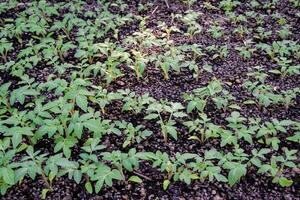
point(172, 131)
point(44, 193)
point(8, 175)
point(88, 186)
point(295, 137)
point(81, 102)
point(65, 163)
point(77, 176)
point(208, 68)
point(284, 182)
point(256, 162)
point(104, 174)
point(194, 138)
point(93, 125)
point(275, 71)
point(151, 116)
point(286, 122)
point(116, 174)
point(235, 174)
point(135, 179)
point(179, 114)
point(166, 184)
point(177, 106)
point(99, 185)
point(126, 143)
point(235, 106)
point(191, 106)
point(127, 165)
point(228, 138)
point(264, 169)
point(220, 178)
point(249, 102)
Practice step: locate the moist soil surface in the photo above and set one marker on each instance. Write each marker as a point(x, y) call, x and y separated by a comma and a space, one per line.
point(232, 71)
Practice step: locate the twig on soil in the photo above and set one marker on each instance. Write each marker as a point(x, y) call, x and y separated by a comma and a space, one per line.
point(142, 175)
point(167, 3)
point(154, 10)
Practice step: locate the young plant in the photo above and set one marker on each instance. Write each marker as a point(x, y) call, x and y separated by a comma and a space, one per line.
point(24, 92)
point(7, 173)
point(203, 126)
point(103, 175)
point(195, 52)
point(229, 5)
point(206, 167)
point(5, 47)
point(259, 156)
point(223, 101)
point(246, 51)
point(263, 93)
point(110, 69)
point(171, 59)
point(198, 99)
point(241, 131)
point(32, 165)
point(135, 103)
point(284, 32)
point(262, 33)
point(103, 98)
point(190, 20)
point(176, 167)
point(167, 124)
point(139, 64)
point(143, 39)
point(289, 97)
point(296, 135)
point(268, 132)
point(65, 144)
point(168, 30)
point(133, 134)
point(78, 93)
point(285, 68)
point(189, 2)
point(215, 31)
point(236, 163)
point(241, 31)
point(128, 161)
point(57, 49)
point(277, 166)
point(220, 52)
point(4, 98)
point(67, 24)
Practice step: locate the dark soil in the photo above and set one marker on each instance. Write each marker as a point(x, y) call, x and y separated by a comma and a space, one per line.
point(232, 70)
